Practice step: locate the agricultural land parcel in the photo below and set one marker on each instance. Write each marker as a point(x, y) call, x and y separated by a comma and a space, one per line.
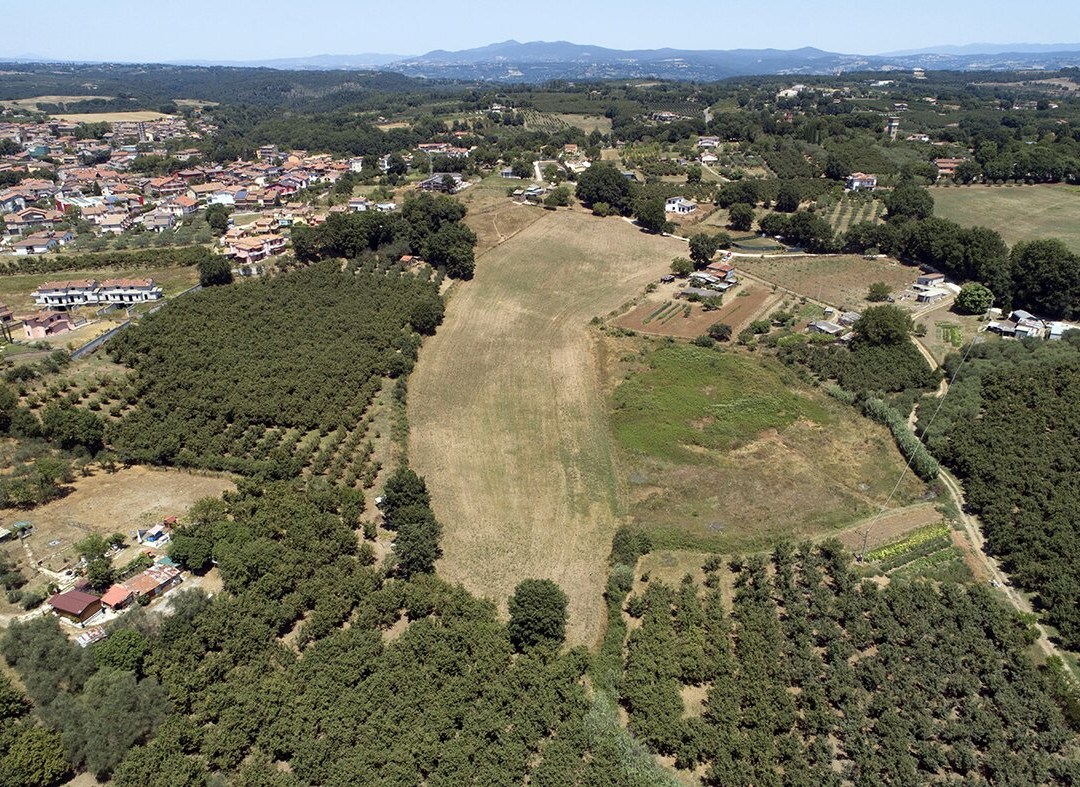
point(841, 280)
point(728, 453)
point(1017, 212)
point(507, 418)
point(136, 116)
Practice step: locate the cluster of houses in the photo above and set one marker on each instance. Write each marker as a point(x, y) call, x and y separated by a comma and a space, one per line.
point(82, 606)
point(1022, 324)
point(113, 197)
point(715, 278)
point(839, 327)
point(58, 298)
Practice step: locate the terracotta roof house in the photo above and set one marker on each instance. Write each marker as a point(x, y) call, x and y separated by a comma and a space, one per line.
point(117, 597)
point(153, 581)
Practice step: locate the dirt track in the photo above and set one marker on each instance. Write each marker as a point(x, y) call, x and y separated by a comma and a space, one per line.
point(507, 418)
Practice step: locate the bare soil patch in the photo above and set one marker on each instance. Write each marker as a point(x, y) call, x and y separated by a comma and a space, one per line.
point(106, 503)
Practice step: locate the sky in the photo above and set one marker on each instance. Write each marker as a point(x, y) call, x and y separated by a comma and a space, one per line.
point(156, 31)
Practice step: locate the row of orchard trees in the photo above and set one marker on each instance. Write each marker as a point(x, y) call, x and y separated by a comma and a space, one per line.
point(304, 350)
point(293, 663)
point(814, 677)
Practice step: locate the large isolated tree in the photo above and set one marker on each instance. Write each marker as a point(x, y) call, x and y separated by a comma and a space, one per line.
point(909, 201)
point(537, 614)
point(974, 298)
point(881, 325)
point(651, 216)
point(215, 270)
point(741, 216)
point(604, 183)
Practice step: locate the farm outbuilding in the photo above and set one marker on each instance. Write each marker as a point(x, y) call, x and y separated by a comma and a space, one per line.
point(76, 605)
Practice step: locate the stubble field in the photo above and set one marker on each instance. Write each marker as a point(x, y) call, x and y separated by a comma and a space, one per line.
point(507, 416)
point(1017, 212)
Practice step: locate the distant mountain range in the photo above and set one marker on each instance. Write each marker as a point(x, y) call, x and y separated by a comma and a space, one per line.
point(540, 61)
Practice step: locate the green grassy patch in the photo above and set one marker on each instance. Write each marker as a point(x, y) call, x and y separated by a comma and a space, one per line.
point(693, 397)
point(729, 452)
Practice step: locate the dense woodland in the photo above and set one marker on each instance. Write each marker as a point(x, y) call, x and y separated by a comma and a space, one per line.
point(1010, 429)
point(302, 351)
point(815, 678)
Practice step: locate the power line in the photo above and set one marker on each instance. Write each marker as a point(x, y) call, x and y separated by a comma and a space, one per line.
point(903, 473)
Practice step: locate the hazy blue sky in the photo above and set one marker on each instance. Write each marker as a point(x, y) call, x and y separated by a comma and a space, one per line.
point(152, 30)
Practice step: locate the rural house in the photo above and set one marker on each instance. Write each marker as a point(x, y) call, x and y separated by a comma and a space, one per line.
point(860, 181)
point(43, 324)
point(76, 605)
point(679, 205)
point(154, 581)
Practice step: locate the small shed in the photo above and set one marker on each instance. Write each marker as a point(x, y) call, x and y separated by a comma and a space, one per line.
point(117, 597)
point(826, 327)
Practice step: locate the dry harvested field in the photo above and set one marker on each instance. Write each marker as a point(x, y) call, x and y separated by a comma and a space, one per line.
point(493, 216)
point(840, 280)
point(507, 418)
point(113, 502)
point(137, 116)
point(1017, 212)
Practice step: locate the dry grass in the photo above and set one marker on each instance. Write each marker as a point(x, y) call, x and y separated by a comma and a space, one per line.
point(812, 475)
point(1017, 212)
point(136, 116)
point(841, 280)
point(588, 123)
point(508, 420)
point(493, 216)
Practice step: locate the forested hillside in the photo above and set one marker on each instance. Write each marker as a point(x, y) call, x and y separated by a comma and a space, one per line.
point(1010, 428)
point(816, 678)
point(302, 353)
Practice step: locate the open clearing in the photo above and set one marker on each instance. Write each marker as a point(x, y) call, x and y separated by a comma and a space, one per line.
point(841, 280)
point(107, 503)
point(1017, 212)
point(588, 123)
point(32, 103)
point(728, 452)
point(493, 216)
point(507, 419)
point(137, 116)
